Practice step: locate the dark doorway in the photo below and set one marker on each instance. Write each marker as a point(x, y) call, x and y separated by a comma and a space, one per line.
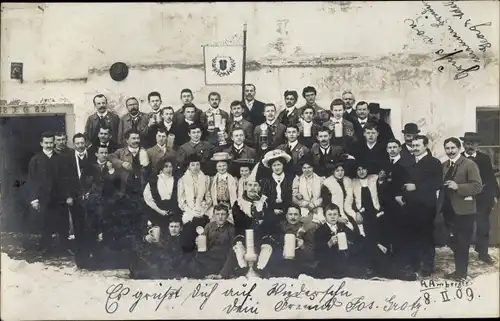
point(19, 141)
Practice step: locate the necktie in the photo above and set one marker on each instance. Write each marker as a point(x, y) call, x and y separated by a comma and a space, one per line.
point(362, 123)
point(449, 173)
point(393, 160)
point(134, 123)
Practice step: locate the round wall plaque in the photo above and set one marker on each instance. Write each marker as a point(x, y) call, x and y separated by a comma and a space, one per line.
point(118, 71)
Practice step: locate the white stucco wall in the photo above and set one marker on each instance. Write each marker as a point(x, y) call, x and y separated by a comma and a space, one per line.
point(367, 47)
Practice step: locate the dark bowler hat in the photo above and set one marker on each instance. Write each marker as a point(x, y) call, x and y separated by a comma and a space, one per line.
point(411, 128)
point(470, 137)
point(374, 108)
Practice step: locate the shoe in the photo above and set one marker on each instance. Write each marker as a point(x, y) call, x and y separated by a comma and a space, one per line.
point(455, 276)
point(486, 258)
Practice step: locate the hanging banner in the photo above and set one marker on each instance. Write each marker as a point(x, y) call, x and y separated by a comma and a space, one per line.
point(223, 65)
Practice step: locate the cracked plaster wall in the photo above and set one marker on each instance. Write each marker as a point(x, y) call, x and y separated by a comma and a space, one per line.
point(366, 47)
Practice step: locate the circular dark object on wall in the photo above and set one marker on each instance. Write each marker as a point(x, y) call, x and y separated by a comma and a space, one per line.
point(118, 71)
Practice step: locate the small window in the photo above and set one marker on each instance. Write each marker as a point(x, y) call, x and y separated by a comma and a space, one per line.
point(488, 128)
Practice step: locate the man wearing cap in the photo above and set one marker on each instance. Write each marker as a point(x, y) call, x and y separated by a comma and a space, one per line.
point(487, 198)
point(410, 131)
point(195, 146)
point(290, 115)
point(385, 130)
point(309, 94)
point(349, 111)
point(238, 149)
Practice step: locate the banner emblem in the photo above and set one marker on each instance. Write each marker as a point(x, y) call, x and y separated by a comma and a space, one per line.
point(223, 66)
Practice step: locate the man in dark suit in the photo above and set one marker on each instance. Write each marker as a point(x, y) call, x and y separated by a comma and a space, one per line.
point(238, 149)
point(410, 131)
point(47, 195)
point(77, 176)
point(385, 130)
point(487, 198)
point(308, 129)
point(371, 148)
point(361, 119)
point(320, 114)
point(236, 120)
point(269, 134)
point(182, 128)
point(133, 165)
point(135, 120)
point(160, 150)
point(290, 115)
point(214, 119)
point(103, 139)
point(418, 198)
point(349, 111)
point(293, 147)
point(61, 143)
point(187, 100)
point(342, 129)
point(324, 154)
point(253, 109)
point(391, 181)
point(457, 199)
point(103, 117)
point(195, 146)
point(155, 119)
point(101, 202)
point(169, 126)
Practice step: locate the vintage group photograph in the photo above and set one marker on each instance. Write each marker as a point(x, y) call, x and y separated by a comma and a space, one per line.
point(218, 141)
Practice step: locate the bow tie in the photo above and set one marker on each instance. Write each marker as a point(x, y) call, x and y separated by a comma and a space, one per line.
point(362, 122)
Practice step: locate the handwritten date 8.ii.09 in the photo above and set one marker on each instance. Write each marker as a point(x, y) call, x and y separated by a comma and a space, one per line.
point(449, 295)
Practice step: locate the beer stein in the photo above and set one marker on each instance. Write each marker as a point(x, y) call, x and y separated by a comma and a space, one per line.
point(202, 239)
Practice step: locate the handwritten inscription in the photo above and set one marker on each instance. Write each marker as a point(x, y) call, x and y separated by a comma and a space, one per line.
point(461, 72)
point(280, 297)
point(204, 292)
point(242, 301)
point(463, 69)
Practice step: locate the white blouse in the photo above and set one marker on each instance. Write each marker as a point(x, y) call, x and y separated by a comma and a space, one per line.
point(165, 189)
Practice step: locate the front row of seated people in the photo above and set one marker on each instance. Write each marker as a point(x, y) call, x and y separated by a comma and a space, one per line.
point(216, 213)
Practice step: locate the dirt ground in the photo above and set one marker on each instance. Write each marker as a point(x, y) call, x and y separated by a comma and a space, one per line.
point(13, 245)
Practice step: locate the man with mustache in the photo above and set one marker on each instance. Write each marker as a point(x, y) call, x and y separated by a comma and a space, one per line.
point(214, 119)
point(487, 198)
point(135, 120)
point(323, 153)
point(102, 117)
point(290, 115)
point(254, 109)
point(61, 144)
point(349, 111)
point(457, 199)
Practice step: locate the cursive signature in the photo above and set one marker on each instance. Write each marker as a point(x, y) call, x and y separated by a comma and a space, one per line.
point(460, 71)
point(201, 291)
point(413, 25)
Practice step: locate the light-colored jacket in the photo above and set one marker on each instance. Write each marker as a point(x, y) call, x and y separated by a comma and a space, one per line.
point(189, 205)
point(353, 192)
